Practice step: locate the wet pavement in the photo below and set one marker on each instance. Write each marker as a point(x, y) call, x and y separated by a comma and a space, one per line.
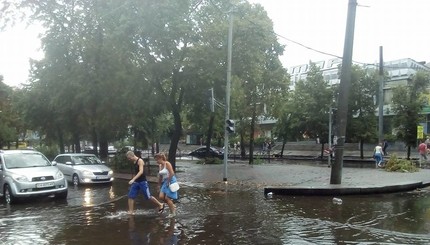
point(211, 211)
point(295, 177)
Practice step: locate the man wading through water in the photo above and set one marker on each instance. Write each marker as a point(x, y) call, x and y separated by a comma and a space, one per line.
point(139, 183)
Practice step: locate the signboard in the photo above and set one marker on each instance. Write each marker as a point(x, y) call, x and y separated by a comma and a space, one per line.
point(420, 132)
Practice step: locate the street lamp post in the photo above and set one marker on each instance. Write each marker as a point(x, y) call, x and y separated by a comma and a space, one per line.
point(330, 123)
point(227, 96)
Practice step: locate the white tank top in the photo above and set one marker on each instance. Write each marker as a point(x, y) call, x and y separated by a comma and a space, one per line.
point(164, 172)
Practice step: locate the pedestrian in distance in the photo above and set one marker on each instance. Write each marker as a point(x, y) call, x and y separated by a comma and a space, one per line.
point(427, 142)
point(378, 155)
point(166, 177)
point(384, 147)
point(422, 150)
point(139, 183)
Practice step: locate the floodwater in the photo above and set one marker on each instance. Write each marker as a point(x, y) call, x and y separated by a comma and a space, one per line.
point(98, 215)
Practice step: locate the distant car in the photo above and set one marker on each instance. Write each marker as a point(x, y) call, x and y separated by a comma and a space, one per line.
point(28, 173)
point(201, 152)
point(82, 168)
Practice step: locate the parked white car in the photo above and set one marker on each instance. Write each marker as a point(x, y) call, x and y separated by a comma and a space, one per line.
point(82, 168)
point(28, 173)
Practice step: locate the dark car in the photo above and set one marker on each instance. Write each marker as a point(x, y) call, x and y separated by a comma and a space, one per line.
point(201, 152)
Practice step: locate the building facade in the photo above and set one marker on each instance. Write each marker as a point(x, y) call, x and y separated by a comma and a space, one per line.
point(399, 73)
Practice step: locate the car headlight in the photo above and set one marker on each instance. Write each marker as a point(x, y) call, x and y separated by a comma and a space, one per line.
point(59, 175)
point(20, 178)
point(87, 173)
point(110, 172)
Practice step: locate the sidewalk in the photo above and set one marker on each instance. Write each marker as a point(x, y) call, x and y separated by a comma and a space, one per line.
point(296, 178)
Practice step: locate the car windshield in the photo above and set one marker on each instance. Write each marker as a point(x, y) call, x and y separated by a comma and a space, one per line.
point(86, 160)
point(25, 160)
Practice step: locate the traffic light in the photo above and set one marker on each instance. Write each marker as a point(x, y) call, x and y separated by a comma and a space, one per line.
point(229, 126)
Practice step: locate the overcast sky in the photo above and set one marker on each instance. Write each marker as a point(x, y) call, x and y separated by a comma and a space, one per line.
point(400, 26)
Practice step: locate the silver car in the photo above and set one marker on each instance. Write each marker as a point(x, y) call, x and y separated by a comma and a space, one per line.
point(80, 168)
point(27, 173)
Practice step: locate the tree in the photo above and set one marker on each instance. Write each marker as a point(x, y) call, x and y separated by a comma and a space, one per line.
point(8, 130)
point(258, 78)
point(310, 105)
point(408, 102)
point(362, 124)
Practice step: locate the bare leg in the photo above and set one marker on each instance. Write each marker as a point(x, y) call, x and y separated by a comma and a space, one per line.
point(156, 202)
point(171, 206)
point(131, 206)
point(169, 203)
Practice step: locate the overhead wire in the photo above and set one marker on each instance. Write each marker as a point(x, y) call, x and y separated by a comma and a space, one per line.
point(247, 18)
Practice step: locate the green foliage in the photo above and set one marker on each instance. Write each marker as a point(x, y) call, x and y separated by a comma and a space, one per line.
point(49, 151)
point(395, 164)
point(258, 161)
point(408, 103)
point(309, 105)
point(362, 123)
point(11, 123)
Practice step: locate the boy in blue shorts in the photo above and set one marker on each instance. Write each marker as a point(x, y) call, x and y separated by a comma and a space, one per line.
point(139, 183)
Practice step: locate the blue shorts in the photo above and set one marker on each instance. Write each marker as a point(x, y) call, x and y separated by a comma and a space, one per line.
point(136, 187)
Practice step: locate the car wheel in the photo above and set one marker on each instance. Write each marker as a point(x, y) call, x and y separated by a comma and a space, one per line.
point(8, 195)
point(75, 180)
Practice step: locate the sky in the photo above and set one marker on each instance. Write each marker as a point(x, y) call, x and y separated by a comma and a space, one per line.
point(401, 27)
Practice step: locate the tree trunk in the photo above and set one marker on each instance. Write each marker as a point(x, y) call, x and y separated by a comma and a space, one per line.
point(175, 137)
point(322, 151)
point(409, 153)
point(61, 140)
point(361, 148)
point(210, 131)
point(251, 136)
point(103, 149)
point(242, 146)
point(94, 141)
point(76, 143)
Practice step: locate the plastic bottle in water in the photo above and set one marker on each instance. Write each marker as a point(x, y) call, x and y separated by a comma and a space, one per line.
point(337, 201)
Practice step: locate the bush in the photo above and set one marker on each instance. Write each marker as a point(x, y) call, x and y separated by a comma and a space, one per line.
point(395, 164)
point(49, 151)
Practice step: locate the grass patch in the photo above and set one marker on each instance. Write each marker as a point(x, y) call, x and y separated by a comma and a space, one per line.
point(395, 164)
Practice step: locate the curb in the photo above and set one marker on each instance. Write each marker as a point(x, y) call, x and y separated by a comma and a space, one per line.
point(334, 190)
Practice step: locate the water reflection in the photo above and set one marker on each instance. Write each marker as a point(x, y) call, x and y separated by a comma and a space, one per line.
point(225, 215)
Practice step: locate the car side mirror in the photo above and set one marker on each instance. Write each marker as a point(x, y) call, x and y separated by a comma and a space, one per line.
point(54, 163)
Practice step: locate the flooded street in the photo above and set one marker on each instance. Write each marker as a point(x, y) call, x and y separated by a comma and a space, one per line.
point(98, 215)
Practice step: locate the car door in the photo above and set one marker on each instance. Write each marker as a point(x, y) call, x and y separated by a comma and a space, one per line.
point(67, 169)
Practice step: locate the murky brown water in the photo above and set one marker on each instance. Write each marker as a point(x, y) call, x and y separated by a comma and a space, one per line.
point(97, 215)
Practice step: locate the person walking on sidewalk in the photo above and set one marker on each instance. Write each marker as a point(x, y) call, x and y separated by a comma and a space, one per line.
point(384, 147)
point(422, 150)
point(166, 177)
point(378, 155)
point(139, 183)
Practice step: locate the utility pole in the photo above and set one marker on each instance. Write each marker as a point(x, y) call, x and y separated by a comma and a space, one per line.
point(381, 96)
point(227, 94)
point(330, 117)
point(345, 84)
